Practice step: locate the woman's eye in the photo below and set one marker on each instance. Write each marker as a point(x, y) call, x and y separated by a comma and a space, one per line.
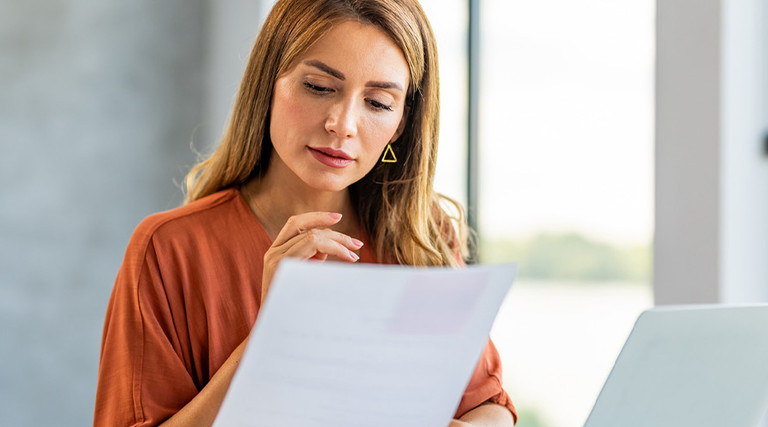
point(378, 105)
point(317, 89)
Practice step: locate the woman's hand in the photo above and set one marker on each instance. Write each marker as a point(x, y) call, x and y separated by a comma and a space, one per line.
point(306, 236)
point(486, 414)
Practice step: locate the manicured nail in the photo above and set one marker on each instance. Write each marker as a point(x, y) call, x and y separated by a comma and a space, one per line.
point(354, 255)
point(335, 215)
point(356, 242)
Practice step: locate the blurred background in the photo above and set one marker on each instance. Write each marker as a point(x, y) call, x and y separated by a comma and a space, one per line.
point(622, 164)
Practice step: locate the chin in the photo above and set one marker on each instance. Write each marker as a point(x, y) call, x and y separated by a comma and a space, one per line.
point(332, 185)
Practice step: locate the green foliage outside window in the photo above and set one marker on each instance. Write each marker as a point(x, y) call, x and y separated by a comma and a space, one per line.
point(570, 257)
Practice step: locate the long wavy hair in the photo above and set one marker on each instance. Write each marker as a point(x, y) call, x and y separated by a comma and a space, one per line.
point(405, 219)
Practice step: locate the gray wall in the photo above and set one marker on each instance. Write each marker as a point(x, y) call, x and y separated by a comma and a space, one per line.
point(99, 102)
point(711, 234)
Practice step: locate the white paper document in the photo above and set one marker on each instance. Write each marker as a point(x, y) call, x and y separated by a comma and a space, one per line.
point(364, 345)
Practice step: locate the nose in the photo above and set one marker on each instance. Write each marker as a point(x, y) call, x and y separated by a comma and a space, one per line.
point(342, 120)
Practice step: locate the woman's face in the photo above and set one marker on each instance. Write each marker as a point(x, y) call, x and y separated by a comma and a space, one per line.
point(336, 109)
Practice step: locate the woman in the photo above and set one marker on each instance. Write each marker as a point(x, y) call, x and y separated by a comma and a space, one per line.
point(331, 87)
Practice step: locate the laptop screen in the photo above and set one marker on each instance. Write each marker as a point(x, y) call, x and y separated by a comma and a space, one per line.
point(692, 366)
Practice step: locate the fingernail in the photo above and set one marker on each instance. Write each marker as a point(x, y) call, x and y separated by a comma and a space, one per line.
point(335, 215)
point(356, 242)
point(354, 255)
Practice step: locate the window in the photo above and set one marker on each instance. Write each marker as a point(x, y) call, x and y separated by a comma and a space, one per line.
point(449, 23)
point(565, 179)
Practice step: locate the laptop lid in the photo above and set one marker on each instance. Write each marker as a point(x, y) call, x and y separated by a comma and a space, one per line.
point(695, 366)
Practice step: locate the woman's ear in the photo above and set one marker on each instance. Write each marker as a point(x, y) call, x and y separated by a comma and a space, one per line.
point(403, 122)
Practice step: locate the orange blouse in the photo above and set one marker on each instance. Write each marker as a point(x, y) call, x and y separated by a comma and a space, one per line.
point(186, 295)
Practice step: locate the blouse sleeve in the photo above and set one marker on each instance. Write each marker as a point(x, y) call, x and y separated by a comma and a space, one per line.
point(142, 379)
point(485, 384)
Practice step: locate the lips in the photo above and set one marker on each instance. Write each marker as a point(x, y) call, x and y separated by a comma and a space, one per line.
point(330, 157)
point(333, 153)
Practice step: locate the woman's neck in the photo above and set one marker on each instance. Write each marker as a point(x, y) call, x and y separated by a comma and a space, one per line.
point(274, 199)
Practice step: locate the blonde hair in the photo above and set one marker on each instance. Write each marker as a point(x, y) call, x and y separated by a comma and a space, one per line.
point(397, 205)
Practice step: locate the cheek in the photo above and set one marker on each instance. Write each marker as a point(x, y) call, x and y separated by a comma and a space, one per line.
point(381, 131)
point(289, 114)
point(382, 126)
point(378, 134)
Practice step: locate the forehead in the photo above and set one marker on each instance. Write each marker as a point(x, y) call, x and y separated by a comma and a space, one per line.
point(360, 50)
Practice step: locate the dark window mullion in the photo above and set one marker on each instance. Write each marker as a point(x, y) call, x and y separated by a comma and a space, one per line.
point(473, 66)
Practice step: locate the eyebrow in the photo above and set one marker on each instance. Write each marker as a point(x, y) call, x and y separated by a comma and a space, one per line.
point(339, 75)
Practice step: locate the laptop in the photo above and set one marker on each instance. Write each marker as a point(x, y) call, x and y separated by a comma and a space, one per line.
point(696, 366)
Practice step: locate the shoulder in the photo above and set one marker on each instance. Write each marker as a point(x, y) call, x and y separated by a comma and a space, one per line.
point(197, 217)
point(182, 224)
point(197, 212)
point(171, 246)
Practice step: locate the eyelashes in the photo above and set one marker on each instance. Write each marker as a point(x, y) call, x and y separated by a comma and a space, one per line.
point(321, 91)
point(316, 89)
point(378, 105)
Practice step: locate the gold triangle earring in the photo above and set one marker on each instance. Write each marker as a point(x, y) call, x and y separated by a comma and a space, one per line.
point(389, 155)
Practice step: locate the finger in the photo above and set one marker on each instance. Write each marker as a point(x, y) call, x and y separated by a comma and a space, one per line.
point(298, 224)
point(324, 233)
point(320, 244)
point(309, 246)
